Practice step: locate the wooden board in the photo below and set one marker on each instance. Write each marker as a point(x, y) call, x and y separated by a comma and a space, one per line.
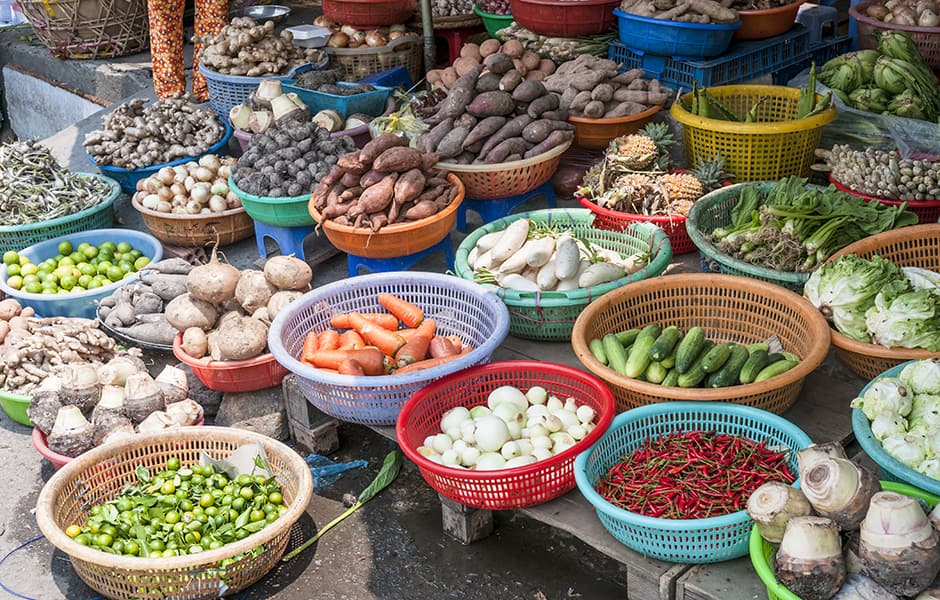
point(732, 580)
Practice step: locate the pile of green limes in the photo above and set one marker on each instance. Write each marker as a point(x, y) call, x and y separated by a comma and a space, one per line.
point(74, 269)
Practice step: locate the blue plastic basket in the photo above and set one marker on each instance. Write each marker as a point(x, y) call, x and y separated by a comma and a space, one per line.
point(79, 304)
point(227, 91)
point(820, 53)
point(715, 539)
point(99, 216)
point(370, 103)
point(674, 38)
point(459, 308)
point(743, 61)
point(128, 178)
point(890, 468)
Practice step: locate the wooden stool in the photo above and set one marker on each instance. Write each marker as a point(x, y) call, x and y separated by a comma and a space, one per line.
point(497, 208)
point(401, 263)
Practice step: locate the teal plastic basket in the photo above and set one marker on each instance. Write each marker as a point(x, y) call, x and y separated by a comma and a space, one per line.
point(689, 541)
point(99, 216)
point(281, 212)
point(550, 316)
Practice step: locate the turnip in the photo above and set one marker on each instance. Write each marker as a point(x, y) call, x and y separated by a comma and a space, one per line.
point(195, 343)
point(188, 311)
point(213, 282)
point(281, 299)
point(288, 273)
point(253, 290)
point(240, 338)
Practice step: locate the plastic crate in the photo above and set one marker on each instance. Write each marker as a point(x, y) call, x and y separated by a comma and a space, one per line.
point(819, 53)
point(370, 103)
point(674, 38)
point(743, 61)
point(397, 77)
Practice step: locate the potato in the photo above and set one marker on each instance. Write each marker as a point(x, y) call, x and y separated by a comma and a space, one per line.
point(488, 47)
point(434, 76)
point(471, 50)
point(513, 48)
point(195, 343)
point(535, 76)
point(288, 273)
point(186, 311)
point(241, 338)
point(547, 66)
point(531, 60)
point(449, 77)
point(253, 290)
point(463, 65)
point(519, 65)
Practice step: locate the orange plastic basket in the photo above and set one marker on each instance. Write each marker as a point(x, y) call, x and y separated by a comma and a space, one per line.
point(232, 375)
point(393, 241)
point(487, 182)
point(775, 146)
point(916, 246)
point(596, 134)
point(506, 488)
point(763, 24)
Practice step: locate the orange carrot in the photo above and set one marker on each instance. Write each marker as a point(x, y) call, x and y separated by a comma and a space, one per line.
point(329, 340)
point(408, 333)
point(427, 328)
point(416, 349)
point(384, 320)
point(351, 340)
point(456, 341)
point(440, 347)
point(387, 341)
point(429, 363)
point(350, 366)
point(372, 361)
point(310, 347)
point(407, 313)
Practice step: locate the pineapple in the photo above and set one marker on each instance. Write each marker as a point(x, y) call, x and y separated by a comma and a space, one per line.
point(681, 186)
point(642, 149)
point(711, 173)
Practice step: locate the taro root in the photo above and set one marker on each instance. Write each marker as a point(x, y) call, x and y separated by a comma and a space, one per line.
point(839, 489)
point(142, 396)
point(185, 413)
point(72, 434)
point(772, 505)
point(173, 384)
point(109, 413)
point(80, 386)
point(809, 561)
point(45, 403)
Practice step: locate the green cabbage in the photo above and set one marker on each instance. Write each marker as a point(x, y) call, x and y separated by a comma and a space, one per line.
point(909, 449)
point(885, 395)
point(922, 376)
point(910, 320)
point(925, 413)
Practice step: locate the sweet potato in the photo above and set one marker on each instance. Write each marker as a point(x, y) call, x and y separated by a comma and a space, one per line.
point(564, 101)
point(490, 104)
point(587, 80)
point(498, 63)
point(376, 197)
point(351, 163)
point(515, 145)
point(464, 158)
point(484, 129)
point(555, 115)
point(421, 210)
point(458, 97)
point(537, 131)
point(429, 159)
point(534, 76)
point(371, 177)
point(488, 82)
point(628, 95)
point(547, 66)
point(542, 104)
point(627, 77)
point(554, 139)
point(431, 193)
point(464, 64)
point(335, 174)
point(398, 158)
point(625, 109)
point(350, 193)
point(350, 179)
point(603, 92)
point(512, 128)
point(594, 109)
point(466, 120)
point(378, 145)
point(377, 221)
point(490, 46)
point(579, 102)
point(637, 84)
point(527, 91)
point(510, 80)
point(452, 144)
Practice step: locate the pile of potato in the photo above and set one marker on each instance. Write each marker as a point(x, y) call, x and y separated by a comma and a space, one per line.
point(922, 13)
point(594, 87)
point(526, 62)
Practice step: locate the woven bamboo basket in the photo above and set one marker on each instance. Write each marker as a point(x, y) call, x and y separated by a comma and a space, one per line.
point(357, 63)
point(916, 246)
point(89, 28)
point(730, 309)
point(196, 231)
point(101, 474)
point(487, 182)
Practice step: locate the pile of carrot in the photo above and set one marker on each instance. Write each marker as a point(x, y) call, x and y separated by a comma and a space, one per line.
point(400, 341)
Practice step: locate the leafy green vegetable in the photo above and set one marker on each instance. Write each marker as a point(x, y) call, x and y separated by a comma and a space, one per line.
point(910, 320)
point(885, 395)
point(922, 376)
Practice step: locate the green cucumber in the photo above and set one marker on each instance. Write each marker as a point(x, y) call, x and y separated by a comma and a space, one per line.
point(790, 356)
point(597, 349)
point(775, 356)
point(639, 357)
point(728, 374)
point(670, 361)
point(665, 343)
point(775, 368)
point(696, 373)
point(655, 372)
point(689, 349)
point(672, 377)
point(616, 355)
point(752, 348)
point(627, 337)
point(755, 362)
point(717, 357)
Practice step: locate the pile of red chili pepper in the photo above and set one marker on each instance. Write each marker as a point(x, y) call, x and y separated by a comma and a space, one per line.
point(692, 475)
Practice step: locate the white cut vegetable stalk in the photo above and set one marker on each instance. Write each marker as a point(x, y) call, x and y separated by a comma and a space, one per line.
point(809, 561)
point(897, 546)
point(807, 456)
point(598, 273)
point(540, 251)
point(839, 489)
point(514, 236)
point(772, 505)
point(567, 257)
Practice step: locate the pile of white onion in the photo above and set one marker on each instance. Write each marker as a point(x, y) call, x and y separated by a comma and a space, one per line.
point(194, 188)
point(514, 429)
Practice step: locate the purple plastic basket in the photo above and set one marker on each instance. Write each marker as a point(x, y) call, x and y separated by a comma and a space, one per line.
point(458, 307)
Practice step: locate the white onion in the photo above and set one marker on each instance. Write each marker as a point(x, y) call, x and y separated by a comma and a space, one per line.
point(585, 413)
point(469, 456)
point(217, 204)
point(507, 393)
point(490, 461)
point(491, 433)
point(450, 458)
point(150, 201)
point(536, 395)
point(454, 418)
point(166, 175)
point(479, 411)
point(554, 405)
point(210, 161)
point(164, 206)
point(200, 193)
point(510, 450)
point(441, 443)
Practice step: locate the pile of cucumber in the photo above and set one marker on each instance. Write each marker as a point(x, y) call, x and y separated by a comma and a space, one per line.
point(672, 358)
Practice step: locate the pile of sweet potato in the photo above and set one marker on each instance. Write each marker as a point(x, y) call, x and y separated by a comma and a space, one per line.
point(384, 183)
point(529, 64)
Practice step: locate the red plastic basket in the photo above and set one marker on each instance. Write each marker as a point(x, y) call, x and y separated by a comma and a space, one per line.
point(563, 18)
point(614, 220)
point(927, 211)
point(508, 488)
point(369, 13)
point(233, 375)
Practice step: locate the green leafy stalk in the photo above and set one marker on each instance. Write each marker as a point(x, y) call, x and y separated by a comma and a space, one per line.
point(386, 476)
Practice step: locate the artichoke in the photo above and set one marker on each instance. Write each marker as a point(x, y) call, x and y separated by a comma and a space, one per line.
point(870, 98)
point(844, 73)
point(888, 76)
point(907, 104)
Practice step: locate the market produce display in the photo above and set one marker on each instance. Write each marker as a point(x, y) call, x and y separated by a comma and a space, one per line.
point(526, 63)
point(922, 13)
point(289, 158)
point(531, 256)
point(495, 7)
point(184, 509)
point(557, 49)
point(87, 406)
point(245, 48)
point(894, 79)
point(35, 188)
point(10, 309)
point(385, 183)
point(673, 476)
point(400, 341)
point(135, 136)
point(513, 429)
point(686, 11)
point(225, 313)
point(704, 104)
point(195, 188)
point(74, 269)
point(878, 302)
point(451, 8)
point(266, 106)
point(671, 357)
point(905, 415)
point(495, 117)
point(136, 310)
point(594, 87)
point(864, 543)
point(884, 173)
point(795, 228)
point(325, 81)
point(347, 36)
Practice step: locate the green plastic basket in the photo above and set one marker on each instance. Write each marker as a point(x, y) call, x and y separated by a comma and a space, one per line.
point(15, 406)
point(493, 22)
point(762, 552)
point(281, 212)
point(99, 216)
point(713, 210)
point(550, 316)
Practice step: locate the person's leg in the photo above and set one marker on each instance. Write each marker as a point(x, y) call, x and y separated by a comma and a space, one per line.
point(211, 17)
point(166, 46)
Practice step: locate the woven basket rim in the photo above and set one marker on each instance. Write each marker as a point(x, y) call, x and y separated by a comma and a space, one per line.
point(649, 112)
point(108, 201)
point(51, 490)
point(819, 329)
point(857, 12)
point(679, 113)
point(508, 166)
point(177, 217)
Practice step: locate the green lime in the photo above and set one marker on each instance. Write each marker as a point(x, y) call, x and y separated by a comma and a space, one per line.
point(114, 273)
point(68, 282)
point(89, 252)
point(49, 284)
point(136, 253)
point(103, 267)
point(126, 266)
point(11, 257)
point(124, 247)
point(63, 271)
point(72, 531)
point(27, 279)
point(55, 259)
point(15, 282)
point(118, 256)
point(65, 248)
point(77, 257)
point(141, 262)
point(94, 283)
point(66, 262)
point(131, 548)
point(28, 269)
point(52, 290)
point(33, 287)
point(88, 269)
point(173, 463)
point(107, 246)
point(13, 269)
point(82, 246)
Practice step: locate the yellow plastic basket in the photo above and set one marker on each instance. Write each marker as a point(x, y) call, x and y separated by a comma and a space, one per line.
point(775, 146)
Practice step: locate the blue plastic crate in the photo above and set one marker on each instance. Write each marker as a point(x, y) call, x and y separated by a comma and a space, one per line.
point(674, 38)
point(743, 61)
point(820, 53)
point(397, 77)
point(370, 103)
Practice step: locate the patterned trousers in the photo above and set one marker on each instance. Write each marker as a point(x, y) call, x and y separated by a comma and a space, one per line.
point(166, 43)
